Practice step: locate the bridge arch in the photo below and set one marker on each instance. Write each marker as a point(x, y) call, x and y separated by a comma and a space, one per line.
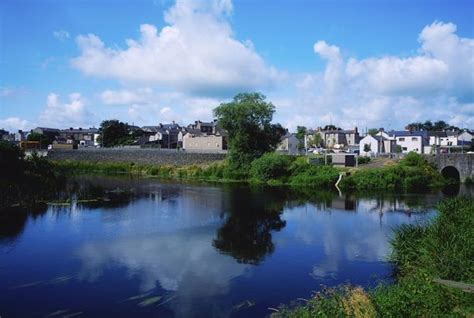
point(451, 172)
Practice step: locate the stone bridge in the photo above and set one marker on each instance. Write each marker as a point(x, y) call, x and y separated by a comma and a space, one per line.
point(454, 165)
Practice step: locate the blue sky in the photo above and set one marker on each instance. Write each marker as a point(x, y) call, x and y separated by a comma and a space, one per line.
point(351, 63)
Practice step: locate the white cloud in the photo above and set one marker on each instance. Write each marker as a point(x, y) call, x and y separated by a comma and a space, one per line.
point(13, 124)
point(195, 53)
point(66, 114)
point(61, 35)
point(437, 83)
point(126, 97)
point(167, 107)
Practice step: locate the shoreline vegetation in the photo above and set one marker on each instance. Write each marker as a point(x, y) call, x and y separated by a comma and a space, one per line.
point(423, 255)
point(411, 173)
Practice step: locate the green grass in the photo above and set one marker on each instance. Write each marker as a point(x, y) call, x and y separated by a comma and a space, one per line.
point(412, 173)
point(442, 248)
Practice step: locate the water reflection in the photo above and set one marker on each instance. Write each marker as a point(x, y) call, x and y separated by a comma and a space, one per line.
point(253, 215)
point(195, 250)
point(13, 221)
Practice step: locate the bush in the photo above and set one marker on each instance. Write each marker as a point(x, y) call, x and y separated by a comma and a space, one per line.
point(319, 176)
point(363, 160)
point(271, 166)
point(412, 173)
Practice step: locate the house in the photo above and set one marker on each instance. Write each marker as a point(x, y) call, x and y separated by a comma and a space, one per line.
point(288, 144)
point(410, 141)
point(451, 138)
point(375, 144)
point(169, 136)
point(339, 138)
point(465, 138)
point(435, 137)
point(79, 136)
point(205, 127)
point(196, 140)
point(50, 133)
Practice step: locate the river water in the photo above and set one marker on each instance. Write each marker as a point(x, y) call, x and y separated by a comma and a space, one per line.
point(160, 249)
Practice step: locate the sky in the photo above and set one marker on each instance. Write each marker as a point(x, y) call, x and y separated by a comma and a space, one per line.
point(351, 63)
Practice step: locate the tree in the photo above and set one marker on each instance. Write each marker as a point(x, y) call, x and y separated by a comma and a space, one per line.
point(373, 131)
point(316, 140)
point(300, 133)
point(367, 148)
point(439, 125)
point(115, 133)
point(247, 120)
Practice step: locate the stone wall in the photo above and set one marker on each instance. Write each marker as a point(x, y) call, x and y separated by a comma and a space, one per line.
point(461, 161)
point(138, 156)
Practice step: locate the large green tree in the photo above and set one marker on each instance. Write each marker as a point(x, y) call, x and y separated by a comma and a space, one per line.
point(247, 120)
point(115, 133)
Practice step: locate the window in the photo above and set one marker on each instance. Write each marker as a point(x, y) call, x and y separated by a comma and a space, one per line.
point(414, 138)
point(404, 148)
point(401, 139)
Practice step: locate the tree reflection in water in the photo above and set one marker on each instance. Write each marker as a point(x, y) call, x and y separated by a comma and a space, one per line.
point(253, 214)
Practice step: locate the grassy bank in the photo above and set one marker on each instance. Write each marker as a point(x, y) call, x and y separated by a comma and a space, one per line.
point(421, 254)
point(412, 172)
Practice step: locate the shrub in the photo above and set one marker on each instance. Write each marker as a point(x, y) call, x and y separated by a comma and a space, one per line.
point(271, 166)
point(320, 176)
point(363, 160)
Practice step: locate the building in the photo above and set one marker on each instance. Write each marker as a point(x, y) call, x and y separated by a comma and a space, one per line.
point(79, 136)
point(50, 133)
point(204, 127)
point(195, 140)
point(410, 141)
point(337, 139)
point(465, 138)
point(376, 144)
point(288, 144)
point(169, 136)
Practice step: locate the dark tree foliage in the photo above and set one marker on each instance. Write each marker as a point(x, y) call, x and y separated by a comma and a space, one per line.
point(116, 133)
point(429, 126)
point(247, 120)
point(373, 131)
point(26, 181)
point(247, 233)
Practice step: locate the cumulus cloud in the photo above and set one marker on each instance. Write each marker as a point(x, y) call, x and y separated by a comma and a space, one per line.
point(66, 114)
point(126, 97)
point(195, 52)
point(166, 107)
point(61, 35)
point(435, 83)
point(12, 124)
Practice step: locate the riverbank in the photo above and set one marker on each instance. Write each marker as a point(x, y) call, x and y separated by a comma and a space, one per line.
point(411, 173)
point(422, 255)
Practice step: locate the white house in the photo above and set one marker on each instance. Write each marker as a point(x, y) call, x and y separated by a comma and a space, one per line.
point(465, 138)
point(288, 144)
point(451, 139)
point(377, 145)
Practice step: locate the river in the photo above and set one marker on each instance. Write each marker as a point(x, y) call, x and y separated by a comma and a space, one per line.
point(163, 249)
